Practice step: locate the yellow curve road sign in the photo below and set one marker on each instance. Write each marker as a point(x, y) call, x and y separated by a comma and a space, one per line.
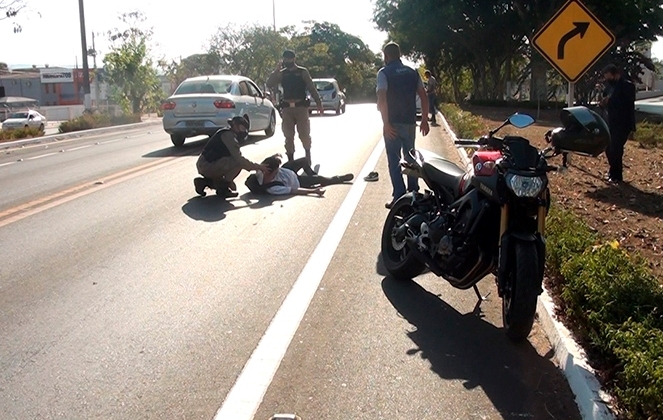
point(573, 40)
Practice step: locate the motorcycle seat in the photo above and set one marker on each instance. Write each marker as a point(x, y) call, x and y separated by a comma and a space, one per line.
point(444, 172)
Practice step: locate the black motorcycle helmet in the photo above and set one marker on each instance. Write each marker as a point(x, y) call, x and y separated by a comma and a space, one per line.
point(584, 132)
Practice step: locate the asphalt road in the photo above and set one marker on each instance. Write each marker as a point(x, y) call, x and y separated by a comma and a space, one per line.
point(123, 295)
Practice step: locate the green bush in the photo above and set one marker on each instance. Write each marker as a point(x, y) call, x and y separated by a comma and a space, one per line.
point(500, 103)
point(649, 134)
point(20, 133)
point(465, 124)
point(614, 305)
point(90, 121)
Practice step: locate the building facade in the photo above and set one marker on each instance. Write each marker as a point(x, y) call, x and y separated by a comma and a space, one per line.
point(49, 86)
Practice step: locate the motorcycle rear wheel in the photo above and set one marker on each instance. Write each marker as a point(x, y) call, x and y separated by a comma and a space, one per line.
point(396, 255)
point(519, 300)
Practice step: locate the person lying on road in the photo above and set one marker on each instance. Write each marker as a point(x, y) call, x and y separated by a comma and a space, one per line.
point(286, 180)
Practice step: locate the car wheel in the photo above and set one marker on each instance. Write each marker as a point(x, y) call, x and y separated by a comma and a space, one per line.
point(338, 109)
point(26, 126)
point(271, 128)
point(41, 128)
point(343, 108)
point(177, 140)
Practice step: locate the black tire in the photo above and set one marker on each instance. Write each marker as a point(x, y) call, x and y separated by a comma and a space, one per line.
point(338, 109)
point(178, 141)
point(41, 128)
point(271, 128)
point(396, 256)
point(519, 300)
point(343, 108)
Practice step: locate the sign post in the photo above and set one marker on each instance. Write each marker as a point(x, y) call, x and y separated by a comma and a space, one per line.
point(572, 41)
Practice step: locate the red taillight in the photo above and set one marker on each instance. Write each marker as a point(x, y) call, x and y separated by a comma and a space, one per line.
point(168, 105)
point(224, 104)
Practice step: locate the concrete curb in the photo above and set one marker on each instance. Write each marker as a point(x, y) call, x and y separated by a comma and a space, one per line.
point(77, 134)
point(591, 400)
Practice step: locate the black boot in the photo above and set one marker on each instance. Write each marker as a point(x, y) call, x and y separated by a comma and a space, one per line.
point(200, 184)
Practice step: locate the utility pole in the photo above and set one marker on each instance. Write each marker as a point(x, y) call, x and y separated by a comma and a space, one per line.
point(86, 68)
point(274, 13)
point(96, 73)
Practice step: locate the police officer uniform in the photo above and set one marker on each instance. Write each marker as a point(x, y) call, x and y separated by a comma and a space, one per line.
point(295, 81)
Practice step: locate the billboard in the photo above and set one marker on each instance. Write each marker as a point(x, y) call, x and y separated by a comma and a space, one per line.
point(56, 75)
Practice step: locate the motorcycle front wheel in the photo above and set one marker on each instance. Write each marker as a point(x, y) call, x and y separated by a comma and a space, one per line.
point(397, 257)
point(522, 291)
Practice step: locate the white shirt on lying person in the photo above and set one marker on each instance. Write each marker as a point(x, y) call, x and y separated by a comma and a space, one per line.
point(286, 177)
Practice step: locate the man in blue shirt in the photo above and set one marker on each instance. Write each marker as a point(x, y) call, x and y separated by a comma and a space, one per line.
point(397, 87)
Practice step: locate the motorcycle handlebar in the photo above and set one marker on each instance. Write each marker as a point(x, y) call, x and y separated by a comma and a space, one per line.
point(467, 142)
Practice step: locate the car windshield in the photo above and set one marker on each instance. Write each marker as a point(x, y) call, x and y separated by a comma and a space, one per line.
point(324, 86)
point(204, 86)
point(19, 115)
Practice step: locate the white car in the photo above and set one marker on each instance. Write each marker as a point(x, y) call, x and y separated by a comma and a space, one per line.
point(333, 98)
point(204, 104)
point(25, 119)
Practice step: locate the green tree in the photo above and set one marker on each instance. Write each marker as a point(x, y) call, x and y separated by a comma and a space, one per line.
point(191, 66)
point(129, 68)
point(327, 51)
point(252, 51)
point(489, 38)
point(9, 9)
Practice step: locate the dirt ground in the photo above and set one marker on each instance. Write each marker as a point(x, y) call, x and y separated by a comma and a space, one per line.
point(630, 213)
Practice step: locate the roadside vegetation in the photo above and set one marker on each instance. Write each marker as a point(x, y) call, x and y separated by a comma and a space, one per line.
point(20, 133)
point(607, 296)
point(90, 121)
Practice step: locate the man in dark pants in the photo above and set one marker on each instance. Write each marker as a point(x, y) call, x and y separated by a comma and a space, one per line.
point(295, 81)
point(431, 87)
point(397, 87)
point(221, 160)
point(620, 106)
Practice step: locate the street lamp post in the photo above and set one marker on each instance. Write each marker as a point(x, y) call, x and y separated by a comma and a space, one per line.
point(274, 13)
point(86, 68)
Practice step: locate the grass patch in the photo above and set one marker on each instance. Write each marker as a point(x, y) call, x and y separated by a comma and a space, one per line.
point(649, 134)
point(465, 124)
point(20, 133)
point(90, 121)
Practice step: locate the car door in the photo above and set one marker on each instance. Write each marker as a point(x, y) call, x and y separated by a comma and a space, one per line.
point(249, 105)
point(263, 110)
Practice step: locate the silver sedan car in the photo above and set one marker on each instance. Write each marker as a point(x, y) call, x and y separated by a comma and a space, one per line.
point(203, 104)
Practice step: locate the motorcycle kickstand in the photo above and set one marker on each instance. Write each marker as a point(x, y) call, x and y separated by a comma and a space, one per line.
point(481, 298)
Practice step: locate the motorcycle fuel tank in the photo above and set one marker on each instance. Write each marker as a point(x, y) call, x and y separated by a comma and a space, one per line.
point(483, 162)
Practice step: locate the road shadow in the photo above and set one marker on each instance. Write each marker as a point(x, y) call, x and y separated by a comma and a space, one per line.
point(628, 196)
point(518, 381)
point(194, 146)
point(213, 208)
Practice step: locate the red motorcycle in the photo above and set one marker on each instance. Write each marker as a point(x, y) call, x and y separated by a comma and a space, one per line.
point(490, 219)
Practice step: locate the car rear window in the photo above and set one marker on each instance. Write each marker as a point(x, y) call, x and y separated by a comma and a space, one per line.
point(324, 86)
point(204, 86)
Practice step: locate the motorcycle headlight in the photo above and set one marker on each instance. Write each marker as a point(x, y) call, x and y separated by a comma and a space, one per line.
point(524, 186)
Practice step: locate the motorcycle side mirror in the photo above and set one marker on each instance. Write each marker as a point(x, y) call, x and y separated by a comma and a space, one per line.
point(521, 120)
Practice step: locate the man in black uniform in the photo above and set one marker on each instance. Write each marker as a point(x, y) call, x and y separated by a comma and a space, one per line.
point(620, 106)
point(295, 81)
point(221, 160)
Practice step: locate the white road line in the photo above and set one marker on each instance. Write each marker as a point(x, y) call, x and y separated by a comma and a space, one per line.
point(7, 163)
point(80, 147)
point(41, 156)
point(247, 393)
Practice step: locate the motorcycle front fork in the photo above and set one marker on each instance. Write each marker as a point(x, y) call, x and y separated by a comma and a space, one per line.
point(504, 224)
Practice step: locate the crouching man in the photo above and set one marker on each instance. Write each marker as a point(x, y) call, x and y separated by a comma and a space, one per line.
point(221, 160)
